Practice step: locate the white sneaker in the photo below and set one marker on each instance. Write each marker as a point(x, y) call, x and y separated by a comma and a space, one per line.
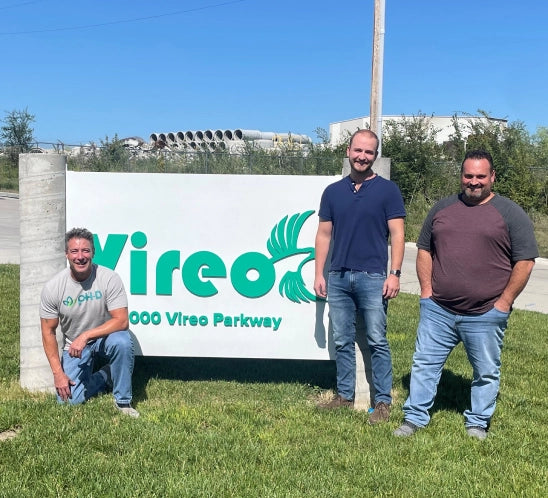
point(127, 409)
point(477, 432)
point(406, 429)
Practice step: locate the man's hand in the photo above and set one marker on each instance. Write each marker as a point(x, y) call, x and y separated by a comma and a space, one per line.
point(77, 346)
point(503, 306)
point(391, 287)
point(62, 385)
point(320, 288)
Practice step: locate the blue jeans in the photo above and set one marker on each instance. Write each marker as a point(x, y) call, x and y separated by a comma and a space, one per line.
point(117, 350)
point(349, 292)
point(439, 331)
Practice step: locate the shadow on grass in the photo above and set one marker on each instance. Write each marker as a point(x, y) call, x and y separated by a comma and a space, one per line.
point(453, 392)
point(316, 373)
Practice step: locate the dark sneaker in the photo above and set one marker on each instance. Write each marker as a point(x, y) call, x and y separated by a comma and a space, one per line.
point(127, 409)
point(381, 413)
point(337, 402)
point(477, 432)
point(406, 429)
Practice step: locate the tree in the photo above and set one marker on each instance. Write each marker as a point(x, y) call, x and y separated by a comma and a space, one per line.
point(418, 164)
point(540, 166)
point(110, 156)
point(17, 134)
point(513, 157)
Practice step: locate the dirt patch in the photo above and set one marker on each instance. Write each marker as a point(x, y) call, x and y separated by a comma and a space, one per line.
point(9, 434)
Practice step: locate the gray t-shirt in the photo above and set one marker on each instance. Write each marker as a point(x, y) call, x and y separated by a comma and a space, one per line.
point(81, 306)
point(474, 249)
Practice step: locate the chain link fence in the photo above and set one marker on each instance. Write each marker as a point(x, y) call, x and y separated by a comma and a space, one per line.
point(247, 163)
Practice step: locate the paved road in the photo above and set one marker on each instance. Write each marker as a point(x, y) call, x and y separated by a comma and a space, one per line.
point(533, 298)
point(9, 228)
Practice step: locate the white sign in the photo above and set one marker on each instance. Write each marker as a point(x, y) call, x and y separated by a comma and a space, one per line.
point(214, 265)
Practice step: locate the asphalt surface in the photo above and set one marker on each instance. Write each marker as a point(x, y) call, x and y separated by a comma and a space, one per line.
point(533, 298)
point(9, 228)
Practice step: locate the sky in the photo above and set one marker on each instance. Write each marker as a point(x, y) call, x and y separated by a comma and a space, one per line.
point(88, 70)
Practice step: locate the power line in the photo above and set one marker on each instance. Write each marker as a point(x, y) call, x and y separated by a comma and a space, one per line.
point(123, 21)
point(15, 5)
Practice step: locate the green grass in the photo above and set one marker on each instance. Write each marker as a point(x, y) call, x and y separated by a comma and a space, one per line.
point(9, 176)
point(249, 428)
point(541, 233)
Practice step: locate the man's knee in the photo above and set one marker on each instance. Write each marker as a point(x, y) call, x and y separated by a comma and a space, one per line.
point(120, 341)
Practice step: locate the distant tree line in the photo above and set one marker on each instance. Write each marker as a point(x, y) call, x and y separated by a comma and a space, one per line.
point(427, 170)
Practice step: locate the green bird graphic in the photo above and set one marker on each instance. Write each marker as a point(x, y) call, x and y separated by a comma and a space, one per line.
point(282, 244)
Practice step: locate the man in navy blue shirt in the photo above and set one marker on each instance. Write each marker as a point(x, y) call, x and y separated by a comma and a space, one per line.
point(358, 214)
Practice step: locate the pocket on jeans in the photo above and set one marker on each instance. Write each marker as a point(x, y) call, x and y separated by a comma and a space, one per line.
point(499, 317)
point(375, 275)
point(502, 313)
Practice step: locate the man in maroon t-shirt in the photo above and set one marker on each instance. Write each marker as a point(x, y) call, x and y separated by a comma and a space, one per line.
point(475, 254)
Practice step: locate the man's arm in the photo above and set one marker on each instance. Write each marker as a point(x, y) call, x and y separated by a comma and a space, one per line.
point(323, 239)
point(516, 283)
point(424, 272)
point(118, 321)
point(61, 381)
point(396, 228)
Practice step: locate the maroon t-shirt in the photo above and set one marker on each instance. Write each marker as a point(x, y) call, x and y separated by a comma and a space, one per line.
point(474, 249)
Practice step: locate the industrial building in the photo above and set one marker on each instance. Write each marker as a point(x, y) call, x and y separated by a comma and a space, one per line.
point(340, 130)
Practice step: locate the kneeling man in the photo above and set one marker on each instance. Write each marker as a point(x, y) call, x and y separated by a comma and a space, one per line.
point(90, 304)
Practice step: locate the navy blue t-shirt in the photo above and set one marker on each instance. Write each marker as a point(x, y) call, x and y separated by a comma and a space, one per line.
point(360, 222)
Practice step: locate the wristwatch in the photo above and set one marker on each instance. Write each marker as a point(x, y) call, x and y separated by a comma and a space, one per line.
point(395, 272)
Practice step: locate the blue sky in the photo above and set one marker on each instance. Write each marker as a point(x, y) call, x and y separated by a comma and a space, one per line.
point(89, 69)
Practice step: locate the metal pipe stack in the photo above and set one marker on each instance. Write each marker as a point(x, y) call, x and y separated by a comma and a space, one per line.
point(225, 140)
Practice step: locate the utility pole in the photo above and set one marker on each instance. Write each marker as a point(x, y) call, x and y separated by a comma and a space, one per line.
point(364, 395)
point(375, 114)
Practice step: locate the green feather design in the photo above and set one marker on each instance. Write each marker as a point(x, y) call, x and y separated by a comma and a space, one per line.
point(283, 239)
point(283, 244)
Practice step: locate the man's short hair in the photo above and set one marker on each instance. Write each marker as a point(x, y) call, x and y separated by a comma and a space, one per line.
point(478, 154)
point(79, 233)
point(365, 132)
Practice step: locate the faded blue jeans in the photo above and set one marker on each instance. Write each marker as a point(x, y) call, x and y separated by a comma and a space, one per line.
point(117, 350)
point(348, 292)
point(439, 331)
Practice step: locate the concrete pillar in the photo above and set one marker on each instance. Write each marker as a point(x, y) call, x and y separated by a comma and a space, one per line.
point(42, 254)
point(364, 397)
point(381, 166)
point(364, 394)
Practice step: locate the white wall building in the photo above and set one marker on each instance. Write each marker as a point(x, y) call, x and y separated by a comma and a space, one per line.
point(340, 130)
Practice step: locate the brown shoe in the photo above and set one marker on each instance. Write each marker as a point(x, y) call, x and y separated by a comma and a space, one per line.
point(337, 402)
point(381, 413)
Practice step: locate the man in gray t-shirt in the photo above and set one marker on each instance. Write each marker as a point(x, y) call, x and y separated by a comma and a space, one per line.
point(476, 251)
point(90, 304)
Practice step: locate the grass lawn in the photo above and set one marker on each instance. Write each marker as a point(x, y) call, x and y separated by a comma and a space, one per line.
point(249, 428)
